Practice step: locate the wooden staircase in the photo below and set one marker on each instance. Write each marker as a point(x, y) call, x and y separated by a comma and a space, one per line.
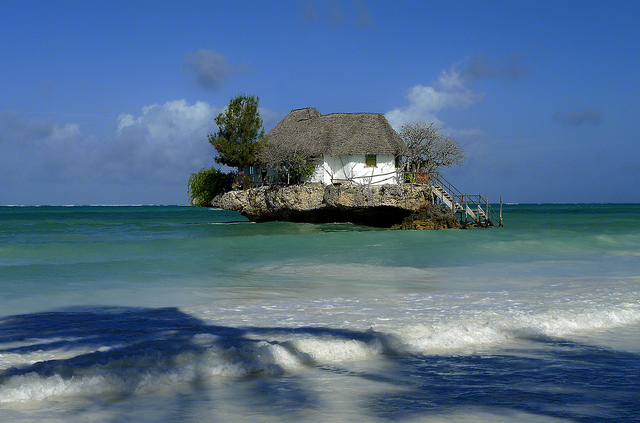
point(469, 208)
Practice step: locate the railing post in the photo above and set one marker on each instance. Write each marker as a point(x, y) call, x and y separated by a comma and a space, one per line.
point(466, 214)
point(486, 215)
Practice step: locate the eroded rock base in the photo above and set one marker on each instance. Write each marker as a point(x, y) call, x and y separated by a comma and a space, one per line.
point(383, 206)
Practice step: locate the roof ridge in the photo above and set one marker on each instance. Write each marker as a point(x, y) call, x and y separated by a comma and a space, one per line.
point(354, 113)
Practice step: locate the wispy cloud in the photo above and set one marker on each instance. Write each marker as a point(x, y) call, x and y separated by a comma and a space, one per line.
point(579, 117)
point(338, 13)
point(483, 66)
point(453, 89)
point(210, 68)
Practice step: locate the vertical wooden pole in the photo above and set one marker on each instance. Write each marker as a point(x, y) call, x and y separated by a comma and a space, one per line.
point(486, 214)
point(464, 204)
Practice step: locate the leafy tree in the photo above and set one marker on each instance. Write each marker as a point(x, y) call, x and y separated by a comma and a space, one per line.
point(426, 149)
point(239, 132)
point(300, 172)
point(296, 165)
point(206, 184)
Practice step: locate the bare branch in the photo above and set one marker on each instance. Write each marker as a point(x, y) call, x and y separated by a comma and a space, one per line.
point(426, 149)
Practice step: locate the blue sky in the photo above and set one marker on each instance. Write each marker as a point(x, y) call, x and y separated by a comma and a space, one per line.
point(110, 102)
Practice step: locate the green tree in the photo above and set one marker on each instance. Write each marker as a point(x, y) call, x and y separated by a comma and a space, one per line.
point(240, 131)
point(206, 184)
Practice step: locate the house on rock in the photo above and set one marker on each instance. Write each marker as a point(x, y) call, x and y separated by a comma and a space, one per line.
point(361, 152)
point(356, 148)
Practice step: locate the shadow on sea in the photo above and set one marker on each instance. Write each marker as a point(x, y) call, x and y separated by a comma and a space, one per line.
point(558, 379)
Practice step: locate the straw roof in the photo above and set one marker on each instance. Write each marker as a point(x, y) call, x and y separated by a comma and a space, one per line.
point(308, 132)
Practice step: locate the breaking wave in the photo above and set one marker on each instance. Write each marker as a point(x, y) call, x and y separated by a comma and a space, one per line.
point(137, 351)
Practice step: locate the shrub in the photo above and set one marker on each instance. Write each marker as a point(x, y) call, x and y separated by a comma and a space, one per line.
point(206, 184)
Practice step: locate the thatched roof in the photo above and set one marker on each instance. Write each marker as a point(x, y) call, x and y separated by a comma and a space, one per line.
point(308, 132)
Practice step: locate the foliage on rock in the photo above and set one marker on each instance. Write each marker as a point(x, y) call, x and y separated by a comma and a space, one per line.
point(206, 184)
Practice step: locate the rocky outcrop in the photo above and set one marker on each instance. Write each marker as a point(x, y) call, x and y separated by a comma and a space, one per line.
point(380, 206)
point(431, 217)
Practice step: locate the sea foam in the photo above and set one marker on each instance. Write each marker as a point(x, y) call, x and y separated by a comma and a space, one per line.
point(278, 350)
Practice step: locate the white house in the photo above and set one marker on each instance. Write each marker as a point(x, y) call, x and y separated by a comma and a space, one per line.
point(357, 148)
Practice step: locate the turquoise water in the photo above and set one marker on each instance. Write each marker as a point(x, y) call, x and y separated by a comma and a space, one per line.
point(193, 314)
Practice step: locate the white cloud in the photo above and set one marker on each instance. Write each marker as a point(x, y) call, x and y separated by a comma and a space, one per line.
point(164, 144)
point(154, 151)
point(451, 80)
point(450, 90)
point(170, 120)
point(165, 139)
point(453, 89)
point(65, 132)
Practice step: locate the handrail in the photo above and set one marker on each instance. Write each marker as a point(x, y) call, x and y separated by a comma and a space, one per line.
point(361, 180)
point(367, 179)
point(464, 203)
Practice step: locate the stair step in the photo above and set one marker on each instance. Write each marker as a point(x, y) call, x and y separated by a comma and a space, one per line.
point(475, 211)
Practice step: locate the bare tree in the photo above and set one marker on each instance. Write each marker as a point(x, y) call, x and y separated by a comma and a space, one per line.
point(426, 149)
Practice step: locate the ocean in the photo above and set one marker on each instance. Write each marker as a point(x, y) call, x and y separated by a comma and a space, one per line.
point(186, 314)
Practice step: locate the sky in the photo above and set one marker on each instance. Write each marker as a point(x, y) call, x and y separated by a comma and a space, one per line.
point(110, 102)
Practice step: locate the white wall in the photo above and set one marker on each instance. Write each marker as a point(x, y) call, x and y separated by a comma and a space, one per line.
point(353, 169)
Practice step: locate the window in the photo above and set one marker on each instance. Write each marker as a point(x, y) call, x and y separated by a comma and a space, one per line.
point(370, 160)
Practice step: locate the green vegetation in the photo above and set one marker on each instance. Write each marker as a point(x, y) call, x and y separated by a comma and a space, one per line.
point(239, 132)
point(299, 171)
point(289, 165)
point(207, 183)
point(237, 142)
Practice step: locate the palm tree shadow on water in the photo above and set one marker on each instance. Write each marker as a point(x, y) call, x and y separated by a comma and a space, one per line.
point(561, 379)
